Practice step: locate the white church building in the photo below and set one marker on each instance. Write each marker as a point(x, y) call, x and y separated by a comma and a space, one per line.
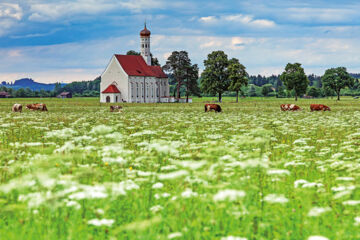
point(132, 79)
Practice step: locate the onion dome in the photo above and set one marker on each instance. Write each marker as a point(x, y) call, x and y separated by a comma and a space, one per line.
point(145, 32)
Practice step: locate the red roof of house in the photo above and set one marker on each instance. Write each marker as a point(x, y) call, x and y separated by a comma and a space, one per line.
point(135, 65)
point(111, 89)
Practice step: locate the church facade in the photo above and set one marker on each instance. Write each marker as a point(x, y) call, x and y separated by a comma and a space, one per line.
point(131, 78)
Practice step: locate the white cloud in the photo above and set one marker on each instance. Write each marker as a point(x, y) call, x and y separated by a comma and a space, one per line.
point(42, 11)
point(9, 10)
point(239, 18)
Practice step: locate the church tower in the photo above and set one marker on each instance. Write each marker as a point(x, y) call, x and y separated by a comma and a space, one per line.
point(145, 45)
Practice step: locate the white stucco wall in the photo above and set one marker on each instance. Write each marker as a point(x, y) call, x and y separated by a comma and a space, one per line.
point(114, 73)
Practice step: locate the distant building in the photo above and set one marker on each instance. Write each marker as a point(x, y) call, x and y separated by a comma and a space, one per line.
point(65, 95)
point(4, 95)
point(131, 78)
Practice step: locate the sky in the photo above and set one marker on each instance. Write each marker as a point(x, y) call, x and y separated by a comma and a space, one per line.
point(74, 40)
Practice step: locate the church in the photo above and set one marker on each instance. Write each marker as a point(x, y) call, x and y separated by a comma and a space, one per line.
point(132, 79)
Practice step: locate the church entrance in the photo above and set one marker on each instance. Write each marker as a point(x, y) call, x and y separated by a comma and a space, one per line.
point(108, 99)
point(116, 99)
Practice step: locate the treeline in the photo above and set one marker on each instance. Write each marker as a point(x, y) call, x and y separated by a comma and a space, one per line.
point(228, 77)
point(78, 89)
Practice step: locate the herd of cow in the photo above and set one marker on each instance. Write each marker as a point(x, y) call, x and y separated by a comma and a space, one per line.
point(35, 106)
point(208, 107)
point(283, 107)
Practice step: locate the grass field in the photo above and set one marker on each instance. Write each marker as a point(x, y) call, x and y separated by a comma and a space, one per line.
point(171, 171)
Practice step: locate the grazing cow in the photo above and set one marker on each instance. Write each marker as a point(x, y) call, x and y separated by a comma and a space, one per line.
point(17, 107)
point(115, 108)
point(37, 106)
point(319, 107)
point(289, 107)
point(210, 107)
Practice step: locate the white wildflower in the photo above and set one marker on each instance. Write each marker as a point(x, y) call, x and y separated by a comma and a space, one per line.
point(317, 238)
point(357, 221)
point(101, 222)
point(278, 172)
point(174, 235)
point(156, 208)
point(101, 130)
point(173, 175)
point(188, 193)
point(233, 238)
point(228, 195)
point(351, 202)
point(317, 211)
point(158, 185)
point(276, 198)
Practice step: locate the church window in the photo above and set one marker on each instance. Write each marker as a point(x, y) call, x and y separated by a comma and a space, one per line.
point(142, 45)
point(137, 90)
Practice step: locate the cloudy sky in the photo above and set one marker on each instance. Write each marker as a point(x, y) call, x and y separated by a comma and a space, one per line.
point(73, 40)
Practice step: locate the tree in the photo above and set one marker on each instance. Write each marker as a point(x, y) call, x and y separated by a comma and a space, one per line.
point(337, 79)
point(313, 92)
point(252, 91)
point(177, 65)
point(154, 61)
point(294, 78)
point(281, 92)
point(237, 75)
point(191, 81)
point(215, 77)
point(266, 89)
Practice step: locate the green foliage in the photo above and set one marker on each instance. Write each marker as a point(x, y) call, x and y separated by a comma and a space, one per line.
point(237, 75)
point(179, 66)
point(294, 78)
point(314, 92)
point(215, 77)
point(337, 79)
point(266, 89)
point(252, 91)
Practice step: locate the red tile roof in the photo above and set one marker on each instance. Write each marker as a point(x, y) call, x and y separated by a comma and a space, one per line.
point(135, 65)
point(111, 89)
point(158, 72)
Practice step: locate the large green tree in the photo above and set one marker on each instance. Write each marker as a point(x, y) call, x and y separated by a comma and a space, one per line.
point(215, 77)
point(337, 79)
point(294, 78)
point(237, 75)
point(191, 81)
point(177, 65)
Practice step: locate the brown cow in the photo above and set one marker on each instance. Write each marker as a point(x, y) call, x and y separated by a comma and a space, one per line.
point(289, 107)
point(319, 107)
point(37, 106)
point(17, 107)
point(210, 107)
point(115, 108)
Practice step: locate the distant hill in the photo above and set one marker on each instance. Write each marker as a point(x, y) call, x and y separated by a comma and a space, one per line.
point(29, 83)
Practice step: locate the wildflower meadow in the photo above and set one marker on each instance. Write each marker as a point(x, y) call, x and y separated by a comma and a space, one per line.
point(172, 171)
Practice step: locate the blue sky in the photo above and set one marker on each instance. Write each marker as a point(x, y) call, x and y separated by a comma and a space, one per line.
point(64, 41)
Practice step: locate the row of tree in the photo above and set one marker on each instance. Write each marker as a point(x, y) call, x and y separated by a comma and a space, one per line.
point(222, 74)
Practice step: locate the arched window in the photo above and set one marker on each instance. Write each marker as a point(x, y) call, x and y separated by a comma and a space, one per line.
point(137, 90)
point(108, 99)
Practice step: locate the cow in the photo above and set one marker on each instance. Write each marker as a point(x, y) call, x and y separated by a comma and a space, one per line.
point(37, 106)
point(17, 107)
point(210, 107)
point(289, 107)
point(115, 108)
point(319, 107)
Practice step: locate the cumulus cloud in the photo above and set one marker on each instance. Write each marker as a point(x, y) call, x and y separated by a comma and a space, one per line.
point(239, 18)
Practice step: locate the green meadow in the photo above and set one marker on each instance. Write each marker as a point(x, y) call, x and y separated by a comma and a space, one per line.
point(172, 171)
